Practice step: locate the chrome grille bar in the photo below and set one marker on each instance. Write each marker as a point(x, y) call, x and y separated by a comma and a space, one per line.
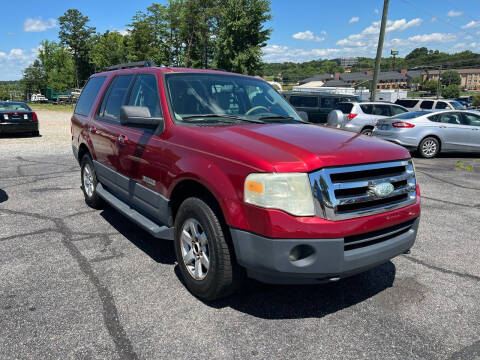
point(364, 201)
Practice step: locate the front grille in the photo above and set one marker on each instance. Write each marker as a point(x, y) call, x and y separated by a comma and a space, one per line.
point(375, 237)
point(349, 191)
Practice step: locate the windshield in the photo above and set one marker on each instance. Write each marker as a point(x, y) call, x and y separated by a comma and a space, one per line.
point(456, 105)
point(12, 106)
point(215, 98)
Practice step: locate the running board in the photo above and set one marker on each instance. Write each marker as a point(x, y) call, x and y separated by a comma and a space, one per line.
point(157, 231)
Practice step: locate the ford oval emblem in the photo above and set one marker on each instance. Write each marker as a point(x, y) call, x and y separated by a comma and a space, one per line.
point(383, 189)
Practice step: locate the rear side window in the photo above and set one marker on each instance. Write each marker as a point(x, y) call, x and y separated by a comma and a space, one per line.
point(116, 97)
point(426, 104)
point(88, 96)
point(345, 108)
point(409, 103)
point(329, 102)
point(397, 110)
point(367, 108)
point(145, 93)
point(471, 119)
point(382, 110)
point(435, 118)
point(441, 105)
point(304, 101)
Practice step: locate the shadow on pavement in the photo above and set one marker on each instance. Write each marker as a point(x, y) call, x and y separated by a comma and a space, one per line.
point(159, 250)
point(264, 300)
point(3, 196)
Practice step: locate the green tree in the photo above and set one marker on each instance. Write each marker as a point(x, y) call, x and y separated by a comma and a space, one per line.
point(450, 77)
point(242, 34)
point(451, 91)
point(430, 85)
point(174, 25)
point(34, 78)
point(417, 80)
point(58, 65)
point(476, 100)
point(109, 49)
point(418, 52)
point(77, 35)
point(148, 35)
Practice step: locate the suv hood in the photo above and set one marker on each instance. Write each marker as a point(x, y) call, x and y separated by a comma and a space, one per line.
point(293, 147)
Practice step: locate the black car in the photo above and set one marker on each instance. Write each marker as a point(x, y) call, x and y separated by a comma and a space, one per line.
point(316, 105)
point(17, 117)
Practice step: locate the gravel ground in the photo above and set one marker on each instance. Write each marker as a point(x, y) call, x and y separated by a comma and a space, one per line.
point(79, 283)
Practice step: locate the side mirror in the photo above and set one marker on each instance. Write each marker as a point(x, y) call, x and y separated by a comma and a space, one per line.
point(303, 115)
point(139, 116)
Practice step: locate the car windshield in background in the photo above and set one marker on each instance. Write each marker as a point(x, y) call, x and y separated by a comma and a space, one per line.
point(13, 106)
point(457, 105)
point(411, 115)
point(207, 99)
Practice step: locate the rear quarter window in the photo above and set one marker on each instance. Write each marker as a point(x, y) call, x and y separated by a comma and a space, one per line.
point(406, 102)
point(304, 101)
point(345, 108)
point(88, 96)
point(367, 108)
point(426, 104)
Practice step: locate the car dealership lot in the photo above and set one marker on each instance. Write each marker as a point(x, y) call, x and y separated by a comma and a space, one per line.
point(80, 283)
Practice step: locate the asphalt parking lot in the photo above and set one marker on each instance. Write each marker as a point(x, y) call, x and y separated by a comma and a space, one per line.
point(87, 284)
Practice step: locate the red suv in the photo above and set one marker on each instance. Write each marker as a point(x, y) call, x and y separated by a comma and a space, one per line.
point(222, 165)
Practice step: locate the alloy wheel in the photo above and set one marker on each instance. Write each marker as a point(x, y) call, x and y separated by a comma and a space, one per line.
point(88, 183)
point(429, 147)
point(194, 246)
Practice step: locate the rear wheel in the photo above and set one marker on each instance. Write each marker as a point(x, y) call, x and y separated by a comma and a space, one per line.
point(367, 131)
point(205, 257)
point(429, 147)
point(89, 183)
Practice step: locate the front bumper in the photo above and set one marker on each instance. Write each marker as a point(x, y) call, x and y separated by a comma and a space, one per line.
point(269, 260)
point(17, 128)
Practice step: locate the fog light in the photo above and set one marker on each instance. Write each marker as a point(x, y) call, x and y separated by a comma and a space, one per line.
point(302, 255)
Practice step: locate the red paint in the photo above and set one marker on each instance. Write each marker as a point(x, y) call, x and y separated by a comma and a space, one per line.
point(221, 157)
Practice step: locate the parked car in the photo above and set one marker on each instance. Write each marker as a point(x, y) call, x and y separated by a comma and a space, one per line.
point(316, 105)
point(361, 117)
point(433, 132)
point(17, 117)
point(222, 165)
point(429, 104)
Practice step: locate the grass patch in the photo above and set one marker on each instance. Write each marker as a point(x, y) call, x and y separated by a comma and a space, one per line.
point(53, 107)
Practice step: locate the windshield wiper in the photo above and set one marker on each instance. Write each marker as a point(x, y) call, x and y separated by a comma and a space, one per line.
point(225, 116)
point(282, 117)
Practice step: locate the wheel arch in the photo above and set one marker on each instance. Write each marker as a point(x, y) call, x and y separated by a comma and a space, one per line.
point(82, 150)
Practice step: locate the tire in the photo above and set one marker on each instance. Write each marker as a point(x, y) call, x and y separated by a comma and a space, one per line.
point(367, 131)
point(89, 183)
point(205, 239)
point(429, 147)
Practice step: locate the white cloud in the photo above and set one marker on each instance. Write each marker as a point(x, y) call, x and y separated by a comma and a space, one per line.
point(323, 32)
point(375, 11)
point(471, 24)
point(369, 33)
point(14, 61)
point(433, 19)
point(38, 25)
point(434, 37)
point(453, 13)
point(307, 35)
point(460, 45)
point(123, 32)
point(468, 37)
point(279, 53)
point(353, 19)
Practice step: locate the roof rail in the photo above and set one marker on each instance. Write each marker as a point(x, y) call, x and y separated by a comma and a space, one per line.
point(138, 64)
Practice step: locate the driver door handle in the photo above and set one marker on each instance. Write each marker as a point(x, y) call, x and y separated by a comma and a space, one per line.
point(122, 139)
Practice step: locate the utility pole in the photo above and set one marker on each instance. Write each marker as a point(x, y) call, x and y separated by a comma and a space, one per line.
point(379, 50)
point(438, 82)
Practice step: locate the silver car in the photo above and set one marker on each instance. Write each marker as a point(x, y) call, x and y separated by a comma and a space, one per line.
point(430, 132)
point(361, 116)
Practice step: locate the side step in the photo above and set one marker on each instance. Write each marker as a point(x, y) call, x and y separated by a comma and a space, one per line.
point(157, 231)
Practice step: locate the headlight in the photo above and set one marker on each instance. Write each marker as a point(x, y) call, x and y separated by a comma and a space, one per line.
point(290, 192)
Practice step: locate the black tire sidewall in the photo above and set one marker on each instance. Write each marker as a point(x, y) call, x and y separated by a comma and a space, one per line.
point(420, 147)
point(197, 209)
point(366, 132)
point(94, 201)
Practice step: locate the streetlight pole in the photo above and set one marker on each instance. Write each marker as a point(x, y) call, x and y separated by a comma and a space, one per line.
point(438, 82)
point(381, 37)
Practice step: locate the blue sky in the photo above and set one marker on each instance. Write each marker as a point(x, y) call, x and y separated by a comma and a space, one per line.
point(302, 29)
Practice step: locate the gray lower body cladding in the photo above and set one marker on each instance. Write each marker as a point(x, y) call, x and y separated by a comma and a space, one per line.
point(272, 260)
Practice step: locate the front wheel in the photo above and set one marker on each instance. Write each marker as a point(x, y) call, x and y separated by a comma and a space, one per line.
point(205, 257)
point(367, 132)
point(429, 147)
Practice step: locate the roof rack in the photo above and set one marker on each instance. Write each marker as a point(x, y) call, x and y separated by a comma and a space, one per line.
point(138, 64)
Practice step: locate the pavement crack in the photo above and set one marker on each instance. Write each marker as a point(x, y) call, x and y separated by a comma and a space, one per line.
point(450, 202)
point(38, 232)
point(443, 270)
point(469, 352)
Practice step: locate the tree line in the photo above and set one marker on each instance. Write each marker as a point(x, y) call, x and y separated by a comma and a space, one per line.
point(224, 34)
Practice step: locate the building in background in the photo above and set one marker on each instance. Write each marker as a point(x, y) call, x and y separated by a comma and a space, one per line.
point(346, 62)
point(470, 78)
